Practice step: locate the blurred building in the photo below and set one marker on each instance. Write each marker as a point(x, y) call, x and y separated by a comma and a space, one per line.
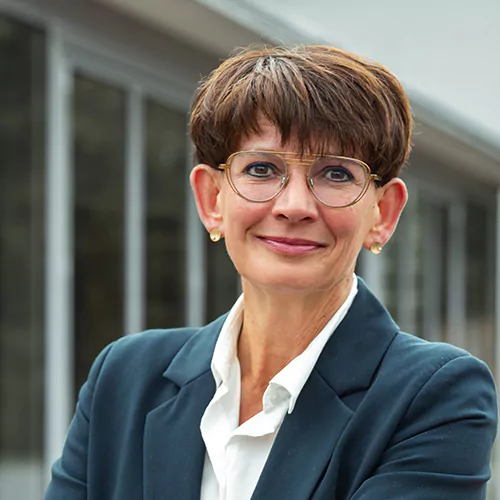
point(98, 232)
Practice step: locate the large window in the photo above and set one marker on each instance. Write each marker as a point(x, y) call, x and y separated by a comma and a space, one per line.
point(22, 136)
point(103, 131)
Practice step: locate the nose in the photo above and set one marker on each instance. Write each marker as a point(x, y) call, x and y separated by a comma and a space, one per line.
point(296, 202)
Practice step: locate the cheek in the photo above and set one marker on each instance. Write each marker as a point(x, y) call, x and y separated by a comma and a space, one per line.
point(236, 234)
point(344, 223)
point(349, 227)
point(240, 216)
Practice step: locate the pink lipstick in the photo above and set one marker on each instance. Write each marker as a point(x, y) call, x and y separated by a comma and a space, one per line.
point(291, 246)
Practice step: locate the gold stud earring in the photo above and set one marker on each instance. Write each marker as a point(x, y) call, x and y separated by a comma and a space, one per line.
point(376, 248)
point(215, 235)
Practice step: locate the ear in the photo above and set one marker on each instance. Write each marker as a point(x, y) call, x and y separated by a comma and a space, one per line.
point(392, 199)
point(206, 185)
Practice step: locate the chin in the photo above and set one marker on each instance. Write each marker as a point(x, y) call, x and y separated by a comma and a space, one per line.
point(286, 281)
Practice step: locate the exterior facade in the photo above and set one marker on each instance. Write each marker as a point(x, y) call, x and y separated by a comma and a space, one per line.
point(99, 235)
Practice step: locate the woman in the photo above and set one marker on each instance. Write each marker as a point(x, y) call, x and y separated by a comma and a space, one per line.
point(306, 389)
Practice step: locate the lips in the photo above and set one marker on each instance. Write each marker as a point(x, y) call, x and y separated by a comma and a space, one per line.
point(293, 246)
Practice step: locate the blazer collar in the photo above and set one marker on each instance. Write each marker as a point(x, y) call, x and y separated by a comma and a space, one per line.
point(351, 357)
point(195, 356)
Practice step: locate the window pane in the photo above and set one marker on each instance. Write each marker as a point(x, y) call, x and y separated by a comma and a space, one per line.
point(166, 186)
point(99, 139)
point(404, 267)
point(434, 297)
point(421, 282)
point(416, 267)
point(480, 284)
point(222, 280)
point(22, 130)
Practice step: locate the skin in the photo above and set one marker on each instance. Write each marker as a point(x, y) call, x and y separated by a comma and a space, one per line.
point(289, 297)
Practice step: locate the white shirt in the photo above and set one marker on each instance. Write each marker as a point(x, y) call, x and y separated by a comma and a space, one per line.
point(237, 454)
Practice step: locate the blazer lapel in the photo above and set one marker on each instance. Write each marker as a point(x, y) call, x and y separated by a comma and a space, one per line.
point(174, 450)
point(304, 444)
point(308, 437)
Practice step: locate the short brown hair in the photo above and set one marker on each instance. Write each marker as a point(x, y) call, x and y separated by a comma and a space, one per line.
point(320, 96)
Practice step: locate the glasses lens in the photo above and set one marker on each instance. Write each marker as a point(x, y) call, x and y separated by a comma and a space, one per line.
point(257, 176)
point(338, 182)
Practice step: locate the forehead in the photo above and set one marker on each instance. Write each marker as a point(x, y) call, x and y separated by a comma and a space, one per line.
point(268, 138)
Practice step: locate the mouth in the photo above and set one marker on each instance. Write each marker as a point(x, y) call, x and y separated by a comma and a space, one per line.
point(291, 246)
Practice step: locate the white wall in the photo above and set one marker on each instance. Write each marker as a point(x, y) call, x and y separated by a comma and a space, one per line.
point(446, 52)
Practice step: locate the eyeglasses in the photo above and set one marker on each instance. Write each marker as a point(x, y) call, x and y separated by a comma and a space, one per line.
point(335, 181)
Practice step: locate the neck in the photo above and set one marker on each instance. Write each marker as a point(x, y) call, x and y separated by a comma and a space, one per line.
point(278, 326)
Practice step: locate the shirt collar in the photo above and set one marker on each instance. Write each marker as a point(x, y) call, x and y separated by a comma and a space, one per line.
point(225, 352)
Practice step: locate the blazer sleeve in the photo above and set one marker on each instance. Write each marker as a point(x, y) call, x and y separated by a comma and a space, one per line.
point(69, 472)
point(442, 447)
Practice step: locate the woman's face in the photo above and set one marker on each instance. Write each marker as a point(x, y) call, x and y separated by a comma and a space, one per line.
point(293, 241)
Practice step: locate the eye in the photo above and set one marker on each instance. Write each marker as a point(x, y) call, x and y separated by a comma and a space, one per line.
point(337, 174)
point(261, 169)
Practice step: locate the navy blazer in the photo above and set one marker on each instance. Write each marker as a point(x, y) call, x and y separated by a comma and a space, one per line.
point(383, 416)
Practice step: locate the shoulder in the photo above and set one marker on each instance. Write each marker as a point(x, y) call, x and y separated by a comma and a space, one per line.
point(422, 371)
point(154, 344)
point(443, 384)
point(422, 359)
point(140, 358)
point(420, 355)
point(421, 385)
point(133, 359)
point(429, 415)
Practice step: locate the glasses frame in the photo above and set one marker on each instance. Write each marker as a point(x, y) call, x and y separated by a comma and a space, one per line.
point(301, 162)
